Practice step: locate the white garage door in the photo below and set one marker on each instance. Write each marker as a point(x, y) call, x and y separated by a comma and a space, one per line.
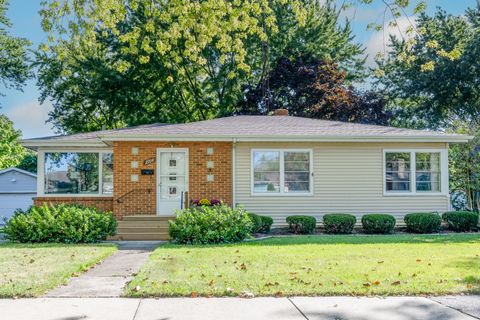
point(10, 202)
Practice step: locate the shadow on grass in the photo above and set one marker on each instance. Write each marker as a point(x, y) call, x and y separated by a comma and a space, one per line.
point(347, 239)
point(472, 281)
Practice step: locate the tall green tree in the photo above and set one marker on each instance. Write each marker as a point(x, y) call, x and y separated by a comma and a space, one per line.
point(11, 152)
point(433, 79)
point(118, 63)
point(14, 65)
point(314, 88)
point(464, 162)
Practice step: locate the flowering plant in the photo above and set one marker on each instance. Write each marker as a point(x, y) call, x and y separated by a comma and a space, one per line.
point(204, 202)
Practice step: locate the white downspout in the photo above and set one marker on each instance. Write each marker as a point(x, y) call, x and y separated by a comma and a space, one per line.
point(234, 172)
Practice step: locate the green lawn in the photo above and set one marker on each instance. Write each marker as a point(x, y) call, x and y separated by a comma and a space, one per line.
point(28, 270)
point(316, 265)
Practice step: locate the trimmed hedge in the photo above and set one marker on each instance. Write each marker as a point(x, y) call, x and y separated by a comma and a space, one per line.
point(339, 223)
point(423, 222)
point(378, 223)
point(206, 225)
point(257, 223)
point(266, 223)
point(60, 223)
point(461, 221)
point(301, 224)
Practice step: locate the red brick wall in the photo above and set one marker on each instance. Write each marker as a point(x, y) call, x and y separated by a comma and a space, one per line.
point(101, 203)
point(140, 197)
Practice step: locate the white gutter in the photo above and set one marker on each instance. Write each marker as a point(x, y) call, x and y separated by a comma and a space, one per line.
point(234, 173)
point(34, 144)
point(287, 138)
point(104, 141)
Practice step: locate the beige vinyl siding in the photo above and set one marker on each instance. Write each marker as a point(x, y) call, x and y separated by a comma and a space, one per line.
point(348, 178)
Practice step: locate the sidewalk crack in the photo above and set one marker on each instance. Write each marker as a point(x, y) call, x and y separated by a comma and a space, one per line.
point(298, 309)
point(458, 310)
point(136, 311)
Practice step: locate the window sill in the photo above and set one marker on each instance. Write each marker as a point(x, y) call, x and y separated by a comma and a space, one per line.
point(310, 194)
point(73, 195)
point(413, 194)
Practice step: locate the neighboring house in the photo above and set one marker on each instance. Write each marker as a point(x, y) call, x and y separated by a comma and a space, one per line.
point(17, 190)
point(272, 165)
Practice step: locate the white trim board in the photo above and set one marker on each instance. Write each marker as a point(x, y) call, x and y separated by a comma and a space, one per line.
point(41, 172)
point(282, 173)
point(444, 187)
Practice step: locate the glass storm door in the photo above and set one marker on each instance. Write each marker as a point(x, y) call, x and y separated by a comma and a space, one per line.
point(172, 179)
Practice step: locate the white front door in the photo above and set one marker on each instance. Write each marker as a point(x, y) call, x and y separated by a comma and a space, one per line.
point(172, 179)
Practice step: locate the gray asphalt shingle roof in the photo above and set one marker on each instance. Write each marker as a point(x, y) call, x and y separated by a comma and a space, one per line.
point(255, 127)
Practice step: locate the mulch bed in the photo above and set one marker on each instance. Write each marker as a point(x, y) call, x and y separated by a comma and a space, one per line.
point(319, 231)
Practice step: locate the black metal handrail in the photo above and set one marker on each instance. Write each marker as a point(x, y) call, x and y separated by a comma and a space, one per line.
point(132, 191)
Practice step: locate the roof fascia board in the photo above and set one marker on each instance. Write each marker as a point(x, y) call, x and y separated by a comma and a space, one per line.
point(453, 139)
point(106, 141)
point(18, 170)
point(48, 143)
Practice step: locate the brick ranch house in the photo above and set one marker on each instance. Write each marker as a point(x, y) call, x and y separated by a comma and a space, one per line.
point(276, 165)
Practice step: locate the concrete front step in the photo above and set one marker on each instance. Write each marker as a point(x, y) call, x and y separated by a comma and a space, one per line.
point(142, 224)
point(143, 227)
point(132, 229)
point(141, 236)
point(147, 218)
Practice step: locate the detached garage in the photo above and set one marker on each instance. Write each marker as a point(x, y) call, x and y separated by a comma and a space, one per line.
point(17, 188)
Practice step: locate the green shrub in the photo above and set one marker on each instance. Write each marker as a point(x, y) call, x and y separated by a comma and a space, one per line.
point(205, 225)
point(60, 223)
point(266, 223)
point(256, 222)
point(461, 220)
point(339, 223)
point(301, 224)
point(378, 223)
point(423, 222)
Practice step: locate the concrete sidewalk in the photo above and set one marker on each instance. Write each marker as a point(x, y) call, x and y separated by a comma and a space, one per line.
point(298, 308)
point(109, 278)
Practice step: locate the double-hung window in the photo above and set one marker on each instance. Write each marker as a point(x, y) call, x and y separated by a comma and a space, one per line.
point(418, 172)
point(282, 171)
point(77, 173)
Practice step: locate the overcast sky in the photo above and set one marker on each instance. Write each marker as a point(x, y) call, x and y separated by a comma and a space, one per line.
point(29, 116)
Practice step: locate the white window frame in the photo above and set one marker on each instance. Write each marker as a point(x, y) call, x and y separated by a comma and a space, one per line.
point(41, 173)
point(282, 174)
point(413, 170)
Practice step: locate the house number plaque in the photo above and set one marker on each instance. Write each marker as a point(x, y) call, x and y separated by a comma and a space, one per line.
point(149, 161)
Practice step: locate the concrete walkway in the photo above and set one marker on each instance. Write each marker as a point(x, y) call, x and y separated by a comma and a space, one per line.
point(298, 308)
point(110, 277)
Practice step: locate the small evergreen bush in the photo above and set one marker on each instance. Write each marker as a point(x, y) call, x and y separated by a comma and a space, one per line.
point(423, 222)
point(208, 225)
point(266, 223)
point(256, 222)
point(301, 224)
point(60, 223)
point(378, 223)
point(339, 223)
point(461, 221)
